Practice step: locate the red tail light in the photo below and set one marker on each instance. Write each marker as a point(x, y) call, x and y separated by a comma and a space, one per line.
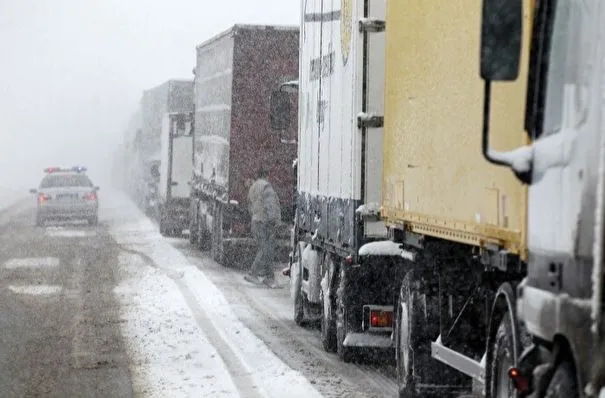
point(381, 319)
point(90, 196)
point(520, 382)
point(43, 198)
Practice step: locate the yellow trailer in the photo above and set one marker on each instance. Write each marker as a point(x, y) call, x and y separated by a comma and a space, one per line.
point(435, 179)
point(459, 219)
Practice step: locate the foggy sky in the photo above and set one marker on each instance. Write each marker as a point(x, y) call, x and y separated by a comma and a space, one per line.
point(72, 71)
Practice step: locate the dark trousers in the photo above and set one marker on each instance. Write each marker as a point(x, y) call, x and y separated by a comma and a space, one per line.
point(264, 234)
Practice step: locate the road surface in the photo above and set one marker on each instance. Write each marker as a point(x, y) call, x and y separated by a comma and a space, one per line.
point(60, 320)
point(117, 310)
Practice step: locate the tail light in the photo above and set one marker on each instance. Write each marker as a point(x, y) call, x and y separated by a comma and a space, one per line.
point(381, 319)
point(520, 382)
point(377, 317)
point(42, 197)
point(90, 196)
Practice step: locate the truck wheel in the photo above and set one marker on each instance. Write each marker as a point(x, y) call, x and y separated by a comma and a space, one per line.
point(216, 250)
point(328, 323)
point(204, 238)
point(163, 230)
point(192, 234)
point(328, 331)
point(299, 308)
point(345, 354)
point(417, 326)
point(503, 360)
point(299, 299)
point(93, 220)
point(563, 382)
point(39, 221)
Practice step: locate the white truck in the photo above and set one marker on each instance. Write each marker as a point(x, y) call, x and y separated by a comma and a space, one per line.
point(560, 300)
point(175, 172)
point(334, 277)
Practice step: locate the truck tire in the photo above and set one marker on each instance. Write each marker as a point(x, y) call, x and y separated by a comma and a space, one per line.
point(299, 299)
point(328, 322)
point(192, 233)
point(40, 221)
point(216, 250)
point(563, 382)
point(417, 326)
point(344, 353)
point(503, 359)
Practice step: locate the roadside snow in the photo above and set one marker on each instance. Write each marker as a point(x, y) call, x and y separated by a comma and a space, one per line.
point(183, 336)
point(169, 354)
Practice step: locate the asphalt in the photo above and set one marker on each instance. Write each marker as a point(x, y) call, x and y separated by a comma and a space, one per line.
point(59, 321)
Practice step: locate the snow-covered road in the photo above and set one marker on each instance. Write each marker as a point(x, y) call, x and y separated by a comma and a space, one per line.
point(182, 335)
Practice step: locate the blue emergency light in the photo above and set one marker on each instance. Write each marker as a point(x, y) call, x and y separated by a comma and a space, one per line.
point(79, 169)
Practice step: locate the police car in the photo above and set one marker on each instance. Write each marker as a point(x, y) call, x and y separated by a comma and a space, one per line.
point(66, 193)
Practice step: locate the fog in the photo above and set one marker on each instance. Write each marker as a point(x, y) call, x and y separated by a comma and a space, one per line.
point(72, 72)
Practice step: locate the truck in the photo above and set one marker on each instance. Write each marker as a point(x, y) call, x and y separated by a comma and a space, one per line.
point(460, 222)
point(175, 95)
point(344, 274)
point(235, 72)
point(559, 302)
point(176, 149)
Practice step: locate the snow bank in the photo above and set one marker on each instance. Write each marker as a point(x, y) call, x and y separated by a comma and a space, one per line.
point(181, 325)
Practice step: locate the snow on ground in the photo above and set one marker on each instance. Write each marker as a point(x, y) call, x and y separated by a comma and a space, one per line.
point(184, 339)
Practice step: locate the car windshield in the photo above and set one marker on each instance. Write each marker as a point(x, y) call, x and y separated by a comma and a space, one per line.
point(65, 180)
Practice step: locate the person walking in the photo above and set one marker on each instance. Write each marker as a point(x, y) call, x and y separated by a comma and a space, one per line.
point(265, 211)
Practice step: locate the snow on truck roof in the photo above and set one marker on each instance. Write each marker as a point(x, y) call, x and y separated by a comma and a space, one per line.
point(246, 27)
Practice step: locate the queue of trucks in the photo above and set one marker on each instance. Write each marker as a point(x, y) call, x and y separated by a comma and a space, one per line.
point(441, 171)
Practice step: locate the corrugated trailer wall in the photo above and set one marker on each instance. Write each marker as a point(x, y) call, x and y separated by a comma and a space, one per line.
point(263, 58)
point(436, 180)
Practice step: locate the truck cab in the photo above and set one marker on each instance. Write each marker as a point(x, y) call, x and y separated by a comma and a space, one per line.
point(559, 302)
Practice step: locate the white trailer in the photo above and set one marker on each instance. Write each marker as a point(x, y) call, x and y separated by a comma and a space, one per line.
point(339, 166)
point(176, 145)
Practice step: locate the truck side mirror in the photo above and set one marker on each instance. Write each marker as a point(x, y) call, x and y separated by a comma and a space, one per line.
point(501, 31)
point(280, 109)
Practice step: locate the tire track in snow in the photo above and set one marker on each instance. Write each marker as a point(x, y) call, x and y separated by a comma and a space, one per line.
point(332, 377)
point(240, 375)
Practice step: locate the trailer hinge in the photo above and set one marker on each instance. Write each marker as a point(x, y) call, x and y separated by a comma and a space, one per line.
point(369, 120)
point(371, 25)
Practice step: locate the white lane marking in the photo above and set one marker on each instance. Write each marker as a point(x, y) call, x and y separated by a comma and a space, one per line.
point(74, 233)
point(36, 290)
point(29, 262)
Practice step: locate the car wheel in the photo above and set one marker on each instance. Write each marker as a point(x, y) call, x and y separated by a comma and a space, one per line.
point(93, 220)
